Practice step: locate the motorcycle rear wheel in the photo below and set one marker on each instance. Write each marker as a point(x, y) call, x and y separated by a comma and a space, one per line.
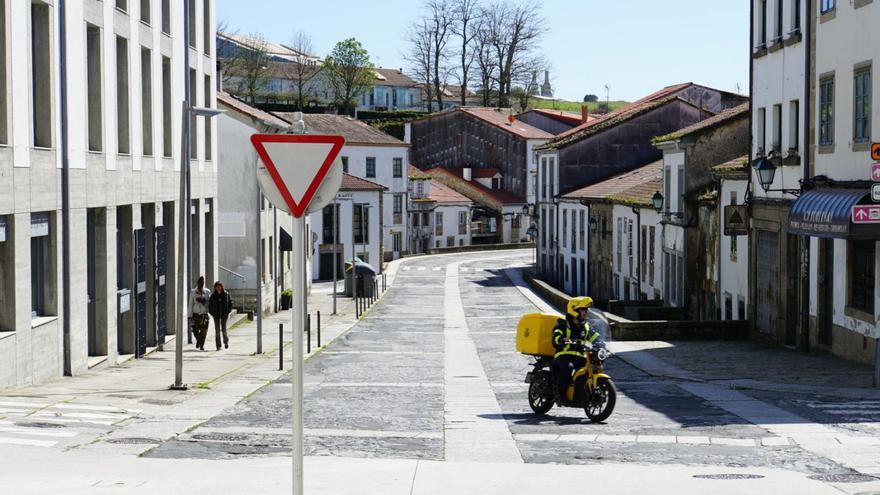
point(601, 403)
point(540, 397)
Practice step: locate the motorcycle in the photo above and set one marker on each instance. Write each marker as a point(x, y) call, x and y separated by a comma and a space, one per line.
point(590, 387)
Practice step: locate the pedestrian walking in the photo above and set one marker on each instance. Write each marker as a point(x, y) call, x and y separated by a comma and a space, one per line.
point(198, 312)
point(220, 305)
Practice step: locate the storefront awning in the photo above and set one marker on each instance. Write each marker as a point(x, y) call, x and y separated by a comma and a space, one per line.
point(827, 213)
point(285, 241)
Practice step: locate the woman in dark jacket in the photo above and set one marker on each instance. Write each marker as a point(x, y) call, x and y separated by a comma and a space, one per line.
point(220, 305)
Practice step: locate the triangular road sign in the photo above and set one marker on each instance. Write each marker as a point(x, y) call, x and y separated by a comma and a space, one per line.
point(297, 163)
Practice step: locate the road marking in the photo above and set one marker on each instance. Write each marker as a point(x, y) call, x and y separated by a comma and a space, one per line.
point(28, 442)
point(82, 407)
point(436, 268)
point(369, 385)
point(318, 432)
point(661, 439)
point(38, 432)
point(57, 419)
point(415, 353)
point(474, 428)
point(406, 268)
point(28, 405)
point(422, 268)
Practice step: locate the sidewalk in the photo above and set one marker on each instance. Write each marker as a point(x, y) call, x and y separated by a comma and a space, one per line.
point(134, 400)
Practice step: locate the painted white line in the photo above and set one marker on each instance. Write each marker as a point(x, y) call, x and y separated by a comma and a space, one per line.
point(421, 268)
point(27, 405)
point(83, 407)
point(39, 432)
point(414, 353)
point(318, 432)
point(56, 419)
point(28, 442)
point(84, 415)
point(436, 268)
point(370, 385)
point(407, 268)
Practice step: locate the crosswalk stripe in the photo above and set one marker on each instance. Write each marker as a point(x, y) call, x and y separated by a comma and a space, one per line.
point(85, 415)
point(437, 268)
point(26, 405)
point(422, 268)
point(39, 432)
point(407, 268)
point(83, 407)
point(27, 441)
point(55, 419)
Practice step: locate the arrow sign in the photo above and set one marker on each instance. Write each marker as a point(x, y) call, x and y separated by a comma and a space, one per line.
point(875, 172)
point(875, 151)
point(297, 164)
point(866, 214)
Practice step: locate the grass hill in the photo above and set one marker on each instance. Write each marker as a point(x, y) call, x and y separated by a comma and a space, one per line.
point(572, 106)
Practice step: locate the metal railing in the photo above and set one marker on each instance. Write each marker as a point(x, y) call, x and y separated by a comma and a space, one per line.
point(227, 270)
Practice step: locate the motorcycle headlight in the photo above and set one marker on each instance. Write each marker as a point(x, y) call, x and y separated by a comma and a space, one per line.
point(602, 354)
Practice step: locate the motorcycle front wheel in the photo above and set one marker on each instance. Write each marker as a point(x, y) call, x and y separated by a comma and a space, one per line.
point(601, 402)
point(540, 397)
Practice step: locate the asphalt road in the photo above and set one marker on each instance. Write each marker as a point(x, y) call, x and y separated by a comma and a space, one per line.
point(379, 392)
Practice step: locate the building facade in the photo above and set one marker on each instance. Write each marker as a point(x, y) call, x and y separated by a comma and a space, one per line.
point(89, 271)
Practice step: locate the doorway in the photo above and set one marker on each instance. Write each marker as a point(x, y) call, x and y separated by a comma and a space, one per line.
point(825, 301)
point(792, 286)
point(767, 282)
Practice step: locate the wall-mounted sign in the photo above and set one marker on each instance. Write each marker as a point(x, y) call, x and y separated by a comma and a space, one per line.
point(875, 172)
point(866, 214)
point(875, 152)
point(736, 220)
point(2, 230)
point(875, 193)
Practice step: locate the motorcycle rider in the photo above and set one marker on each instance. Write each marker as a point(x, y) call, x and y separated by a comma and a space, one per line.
point(569, 337)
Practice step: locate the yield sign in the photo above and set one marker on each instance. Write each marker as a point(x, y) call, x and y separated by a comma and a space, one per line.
point(297, 163)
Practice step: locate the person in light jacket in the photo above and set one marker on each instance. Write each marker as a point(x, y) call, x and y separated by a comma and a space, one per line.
point(198, 312)
point(220, 305)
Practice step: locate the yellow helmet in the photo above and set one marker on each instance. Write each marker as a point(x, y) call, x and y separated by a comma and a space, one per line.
point(576, 303)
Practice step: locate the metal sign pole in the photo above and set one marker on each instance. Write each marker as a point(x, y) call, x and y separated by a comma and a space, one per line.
point(299, 291)
point(335, 243)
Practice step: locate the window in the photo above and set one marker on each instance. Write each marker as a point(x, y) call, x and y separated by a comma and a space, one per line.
point(762, 24)
point(794, 125)
point(438, 223)
point(826, 111)
point(191, 29)
point(552, 163)
point(145, 11)
point(619, 244)
point(328, 220)
point(398, 168)
point(546, 181)
point(450, 241)
point(778, 37)
point(271, 266)
point(7, 273)
point(206, 27)
point(462, 223)
point(166, 16)
point(167, 147)
point(41, 75)
point(361, 224)
point(564, 228)
point(644, 252)
point(4, 129)
point(827, 5)
point(265, 265)
point(209, 142)
point(415, 219)
point(795, 16)
point(147, 100)
point(398, 208)
point(667, 188)
point(516, 221)
point(728, 306)
point(122, 5)
point(94, 89)
point(496, 183)
point(345, 164)
point(371, 168)
point(544, 233)
point(862, 276)
point(629, 249)
point(862, 105)
point(123, 125)
point(761, 131)
point(396, 241)
point(681, 190)
point(194, 136)
point(650, 249)
point(733, 238)
point(777, 128)
point(581, 230)
point(42, 265)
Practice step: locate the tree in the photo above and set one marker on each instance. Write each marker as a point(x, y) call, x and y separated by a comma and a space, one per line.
point(468, 16)
point(419, 57)
point(440, 21)
point(525, 78)
point(244, 63)
point(486, 63)
point(349, 73)
point(303, 70)
point(513, 31)
point(591, 99)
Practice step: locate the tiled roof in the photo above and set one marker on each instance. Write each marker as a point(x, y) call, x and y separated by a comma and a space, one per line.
point(476, 173)
point(441, 193)
point(499, 117)
point(620, 184)
point(738, 112)
point(415, 174)
point(354, 131)
point(352, 183)
point(394, 77)
point(740, 164)
point(476, 192)
point(640, 194)
point(609, 120)
point(560, 115)
point(234, 103)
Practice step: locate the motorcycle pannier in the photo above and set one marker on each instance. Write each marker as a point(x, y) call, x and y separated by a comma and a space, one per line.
point(534, 334)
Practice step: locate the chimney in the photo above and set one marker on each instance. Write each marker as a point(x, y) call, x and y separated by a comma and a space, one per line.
point(510, 119)
point(585, 114)
point(467, 174)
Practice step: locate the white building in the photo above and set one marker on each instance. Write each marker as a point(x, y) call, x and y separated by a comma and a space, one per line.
point(392, 90)
point(358, 207)
point(245, 215)
point(733, 250)
point(107, 289)
point(377, 157)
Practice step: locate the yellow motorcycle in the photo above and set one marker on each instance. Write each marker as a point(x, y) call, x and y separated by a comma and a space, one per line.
point(590, 387)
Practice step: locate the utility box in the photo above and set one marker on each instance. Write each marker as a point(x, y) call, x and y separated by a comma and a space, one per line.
point(534, 334)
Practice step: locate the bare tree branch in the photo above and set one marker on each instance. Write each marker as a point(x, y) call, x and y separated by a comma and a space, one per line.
point(302, 71)
point(419, 57)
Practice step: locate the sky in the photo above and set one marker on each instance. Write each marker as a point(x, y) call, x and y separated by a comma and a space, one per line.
point(633, 46)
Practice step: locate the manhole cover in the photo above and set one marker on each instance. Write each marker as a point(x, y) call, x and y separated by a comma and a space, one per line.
point(39, 424)
point(222, 437)
point(729, 476)
point(159, 402)
point(132, 440)
point(843, 478)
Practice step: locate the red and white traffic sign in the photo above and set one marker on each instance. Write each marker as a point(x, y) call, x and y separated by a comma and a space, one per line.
point(866, 214)
point(297, 165)
point(875, 172)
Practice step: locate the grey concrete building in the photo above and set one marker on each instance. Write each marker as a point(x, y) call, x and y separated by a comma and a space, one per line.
point(88, 268)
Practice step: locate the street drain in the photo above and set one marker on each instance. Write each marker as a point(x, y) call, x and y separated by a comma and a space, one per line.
point(39, 424)
point(133, 441)
point(159, 402)
point(729, 476)
point(222, 437)
point(843, 478)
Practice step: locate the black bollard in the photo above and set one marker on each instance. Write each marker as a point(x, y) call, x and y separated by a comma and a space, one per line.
point(308, 334)
point(319, 329)
point(281, 347)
